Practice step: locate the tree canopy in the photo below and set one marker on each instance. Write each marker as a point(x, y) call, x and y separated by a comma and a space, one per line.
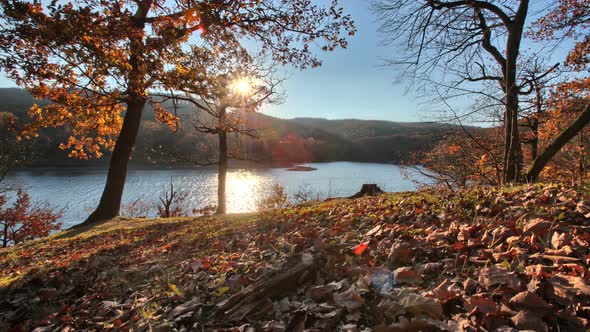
point(95, 59)
point(89, 57)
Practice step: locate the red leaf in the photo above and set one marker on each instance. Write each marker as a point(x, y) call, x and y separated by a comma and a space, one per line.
point(358, 250)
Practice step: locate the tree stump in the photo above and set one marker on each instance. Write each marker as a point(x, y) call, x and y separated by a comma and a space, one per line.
point(368, 189)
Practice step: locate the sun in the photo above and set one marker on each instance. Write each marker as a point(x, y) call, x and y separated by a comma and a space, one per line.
point(241, 86)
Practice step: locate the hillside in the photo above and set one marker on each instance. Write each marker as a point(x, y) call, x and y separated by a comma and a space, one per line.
point(284, 141)
point(474, 260)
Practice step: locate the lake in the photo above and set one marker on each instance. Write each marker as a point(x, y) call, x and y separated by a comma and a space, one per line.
point(77, 190)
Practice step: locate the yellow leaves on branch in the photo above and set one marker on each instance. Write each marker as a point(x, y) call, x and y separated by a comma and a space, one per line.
point(165, 117)
point(92, 122)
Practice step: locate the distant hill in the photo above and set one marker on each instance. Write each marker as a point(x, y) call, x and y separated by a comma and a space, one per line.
point(357, 140)
point(283, 141)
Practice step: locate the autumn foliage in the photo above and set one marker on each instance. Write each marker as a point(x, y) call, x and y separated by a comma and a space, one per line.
point(471, 260)
point(89, 58)
point(23, 220)
point(461, 159)
point(100, 63)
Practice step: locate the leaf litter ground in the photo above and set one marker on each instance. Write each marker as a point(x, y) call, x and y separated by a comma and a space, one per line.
point(473, 260)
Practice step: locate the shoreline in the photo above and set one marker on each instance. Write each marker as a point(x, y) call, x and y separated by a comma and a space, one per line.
point(287, 166)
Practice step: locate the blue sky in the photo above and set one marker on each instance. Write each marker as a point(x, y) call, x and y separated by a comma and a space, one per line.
point(351, 83)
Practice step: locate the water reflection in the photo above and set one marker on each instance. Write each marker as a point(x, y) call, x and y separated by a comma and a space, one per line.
point(244, 189)
point(78, 190)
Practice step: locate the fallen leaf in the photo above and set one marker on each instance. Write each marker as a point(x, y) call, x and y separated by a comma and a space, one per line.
point(349, 299)
point(569, 289)
point(537, 226)
point(527, 320)
point(493, 276)
point(406, 275)
point(482, 302)
point(358, 250)
point(529, 301)
point(175, 289)
point(408, 302)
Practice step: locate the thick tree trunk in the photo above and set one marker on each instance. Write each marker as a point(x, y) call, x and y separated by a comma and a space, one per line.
point(581, 158)
point(5, 238)
point(513, 155)
point(222, 167)
point(110, 201)
point(512, 149)
point(549, 152)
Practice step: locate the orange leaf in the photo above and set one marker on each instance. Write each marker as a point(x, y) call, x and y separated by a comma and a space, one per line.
point(358, 250)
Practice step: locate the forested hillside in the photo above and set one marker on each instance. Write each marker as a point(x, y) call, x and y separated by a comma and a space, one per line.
point(278, 141)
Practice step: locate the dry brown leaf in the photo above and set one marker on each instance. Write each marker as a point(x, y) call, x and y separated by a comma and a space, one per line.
point(482, 302)
point(493, 276)
point(405, 302)
point(560, 240)
point(349, 299)
point(527, 320)
point(406, 275)
point(569, 289)
point(418, 325)
point(529, 301)
point(537, 226)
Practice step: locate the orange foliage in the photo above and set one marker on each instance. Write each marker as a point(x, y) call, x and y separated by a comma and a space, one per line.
point(24, 221)
point(90, 59)
point(572, 18)
point(462, 159)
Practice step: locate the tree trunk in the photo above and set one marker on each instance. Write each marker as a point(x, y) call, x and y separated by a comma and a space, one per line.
point(581, 159)
point(110, 201)
point(535, 121)
point(535, 139)
point(549, 152)
point(222, 167)
point(5, 238)
point(512, 148)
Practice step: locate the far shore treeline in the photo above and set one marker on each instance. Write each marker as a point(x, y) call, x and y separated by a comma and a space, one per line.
point(279, 142)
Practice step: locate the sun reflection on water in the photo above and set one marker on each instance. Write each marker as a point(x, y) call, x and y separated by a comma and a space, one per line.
point(244, 189)
point(80, 190)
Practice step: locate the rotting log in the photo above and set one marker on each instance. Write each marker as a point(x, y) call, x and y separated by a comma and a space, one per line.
point(368, 189)
point(259, 295)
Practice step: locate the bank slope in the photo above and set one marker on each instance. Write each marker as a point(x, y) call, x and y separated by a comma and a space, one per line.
point(429, 261)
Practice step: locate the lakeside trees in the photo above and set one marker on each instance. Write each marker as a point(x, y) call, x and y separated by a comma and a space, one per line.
point(237, 86)
point(98, 62)
point(474, 41)
point(571, 99)
point(98, 77)
point(476, 47)
point(13, 154)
